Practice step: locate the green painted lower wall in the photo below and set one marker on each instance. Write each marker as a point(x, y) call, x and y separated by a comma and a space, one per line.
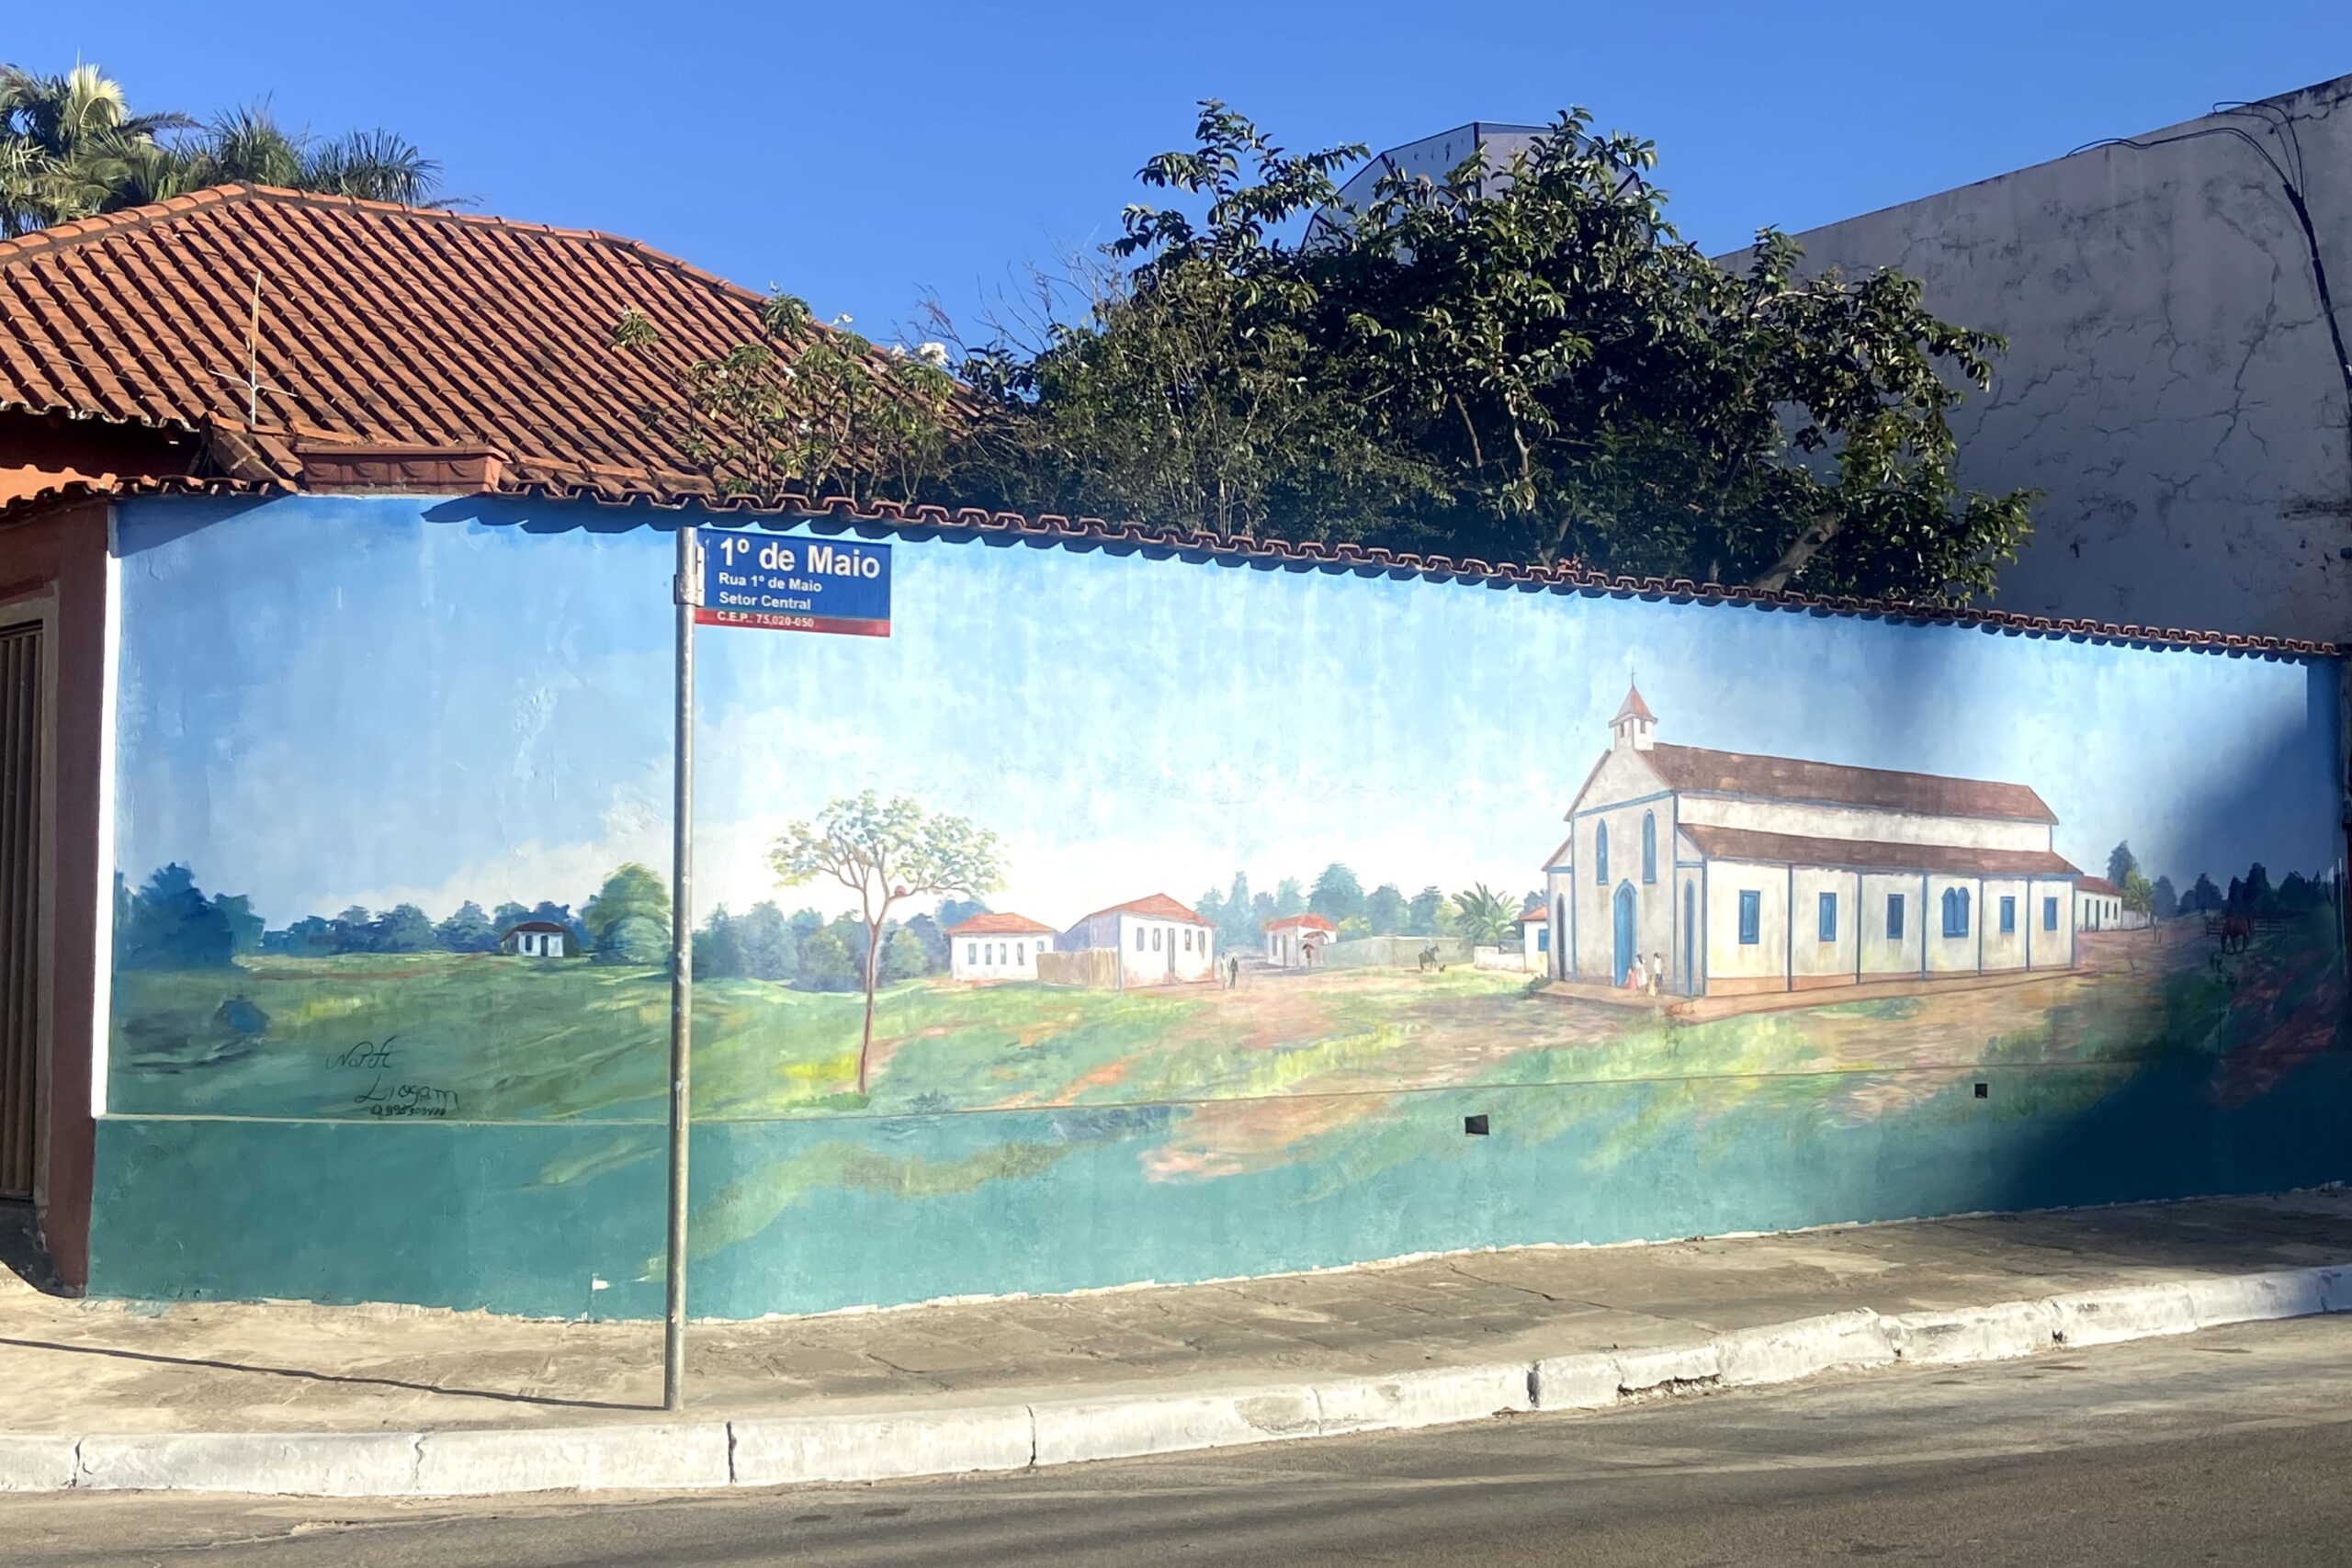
point(807, 1216)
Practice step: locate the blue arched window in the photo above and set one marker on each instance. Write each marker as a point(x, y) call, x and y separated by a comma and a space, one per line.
point(1955, 911)
point(1649, 846)
point(1601, 855)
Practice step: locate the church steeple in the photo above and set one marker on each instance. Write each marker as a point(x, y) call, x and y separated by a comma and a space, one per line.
point(1634, 724)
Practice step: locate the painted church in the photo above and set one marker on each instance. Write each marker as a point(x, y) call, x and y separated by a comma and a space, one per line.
point(1738, 873)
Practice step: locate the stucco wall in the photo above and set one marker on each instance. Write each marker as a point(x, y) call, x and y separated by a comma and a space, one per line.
point(348, 719)
point(2169, 383)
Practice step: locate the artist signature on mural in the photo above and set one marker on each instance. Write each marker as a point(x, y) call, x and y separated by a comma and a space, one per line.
point(386, 1096)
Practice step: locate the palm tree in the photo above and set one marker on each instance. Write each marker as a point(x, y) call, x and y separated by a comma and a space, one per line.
point(248, 146)
point(67, 144)
point(70, 147)
point(1484, 916)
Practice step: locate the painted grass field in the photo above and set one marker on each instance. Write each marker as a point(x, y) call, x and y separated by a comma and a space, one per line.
point(486, 1038)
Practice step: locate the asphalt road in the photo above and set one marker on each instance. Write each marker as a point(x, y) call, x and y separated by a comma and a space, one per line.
point(2227, 1447)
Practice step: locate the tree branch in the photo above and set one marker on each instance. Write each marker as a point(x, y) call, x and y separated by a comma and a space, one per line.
point(1775, 577)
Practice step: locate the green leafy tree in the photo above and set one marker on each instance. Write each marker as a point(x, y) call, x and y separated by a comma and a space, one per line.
point(825, 965)
point(244, 926)
point(2203, 896)
point(2120, 864)
point(884, 853)
point(467, 929)
point(1289, 900)
point(2139, 894)
point(634, 940)
point(1210, 906)
point(2164, 901)
point(1237, 931)
point(771, 947)
point(632, 893)
point(903, 957)
point(1426, 915)
point(1521, 363)
point(1484, 916)
point(170, 924)
point(1385, 911)
point(803, 406)
point(403, 928)
point(1337, 896)
point(719, 947)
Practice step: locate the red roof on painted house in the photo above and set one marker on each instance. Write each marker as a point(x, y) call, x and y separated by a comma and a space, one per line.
point(1305, 922)
point(2100, 885)
point(1634, 706)
point(991, 923)
point(1157, 906)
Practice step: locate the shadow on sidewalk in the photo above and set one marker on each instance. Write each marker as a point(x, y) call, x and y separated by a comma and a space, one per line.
point(21, 1250)
point(347, 1378)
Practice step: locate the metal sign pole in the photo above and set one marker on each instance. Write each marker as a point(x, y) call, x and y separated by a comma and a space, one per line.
point(688, 594)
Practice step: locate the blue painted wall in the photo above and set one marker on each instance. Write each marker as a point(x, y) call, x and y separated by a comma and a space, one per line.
point(333, 710)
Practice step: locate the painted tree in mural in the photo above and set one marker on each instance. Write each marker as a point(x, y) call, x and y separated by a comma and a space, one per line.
point(886, 851)
point(629, 919)
point(1483, 915)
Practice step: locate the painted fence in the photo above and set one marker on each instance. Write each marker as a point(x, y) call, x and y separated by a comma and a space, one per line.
point(365, 747)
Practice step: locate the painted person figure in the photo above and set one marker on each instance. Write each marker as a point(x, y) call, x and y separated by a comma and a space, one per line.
point(1637, 975)
point(1657, 974)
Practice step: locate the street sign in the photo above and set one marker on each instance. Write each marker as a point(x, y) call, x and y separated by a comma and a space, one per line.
point(792, 583)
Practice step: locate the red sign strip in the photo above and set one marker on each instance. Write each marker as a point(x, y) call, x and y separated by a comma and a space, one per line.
point(834, 625)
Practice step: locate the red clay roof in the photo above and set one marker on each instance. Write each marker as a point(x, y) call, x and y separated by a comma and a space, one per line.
point(1307, 922)
point(1693, 770)
point(380, 325)
point(1634, 707)
point(1157, 906)
point(987, 923)
point(2099, 885)
point(1863, 854)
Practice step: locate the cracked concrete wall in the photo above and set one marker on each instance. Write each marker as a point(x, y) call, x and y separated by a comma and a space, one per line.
point(2170, 386)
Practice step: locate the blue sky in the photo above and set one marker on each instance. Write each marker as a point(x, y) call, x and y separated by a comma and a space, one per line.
point(855, 154)
point(1126, 726)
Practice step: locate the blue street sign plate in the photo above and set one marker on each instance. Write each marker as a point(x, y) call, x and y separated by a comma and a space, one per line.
point(791, 583)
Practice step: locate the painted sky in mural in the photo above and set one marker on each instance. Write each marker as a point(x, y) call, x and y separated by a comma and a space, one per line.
point(1125, 724)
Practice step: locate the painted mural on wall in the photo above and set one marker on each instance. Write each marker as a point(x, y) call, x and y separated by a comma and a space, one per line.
point(1193, 871)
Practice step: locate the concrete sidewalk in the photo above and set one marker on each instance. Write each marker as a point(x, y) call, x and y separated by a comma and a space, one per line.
point(122, 1394)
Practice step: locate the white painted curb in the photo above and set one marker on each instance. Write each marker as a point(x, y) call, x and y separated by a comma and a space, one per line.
point(789, 1451)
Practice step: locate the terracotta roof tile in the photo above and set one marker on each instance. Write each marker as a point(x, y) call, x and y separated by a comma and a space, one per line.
point(1865, 854)
point(1155, 907)
point(1299, 923)
point(2099, 885)
point(377, 324)
point(991, 923)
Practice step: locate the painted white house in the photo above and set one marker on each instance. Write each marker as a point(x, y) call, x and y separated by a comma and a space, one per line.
point(993, 946)
point(1295, 940)
point(1536, 937)
point(534, 939)
point(2098, 906)
point(1159, 941)
point(1753, 874)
